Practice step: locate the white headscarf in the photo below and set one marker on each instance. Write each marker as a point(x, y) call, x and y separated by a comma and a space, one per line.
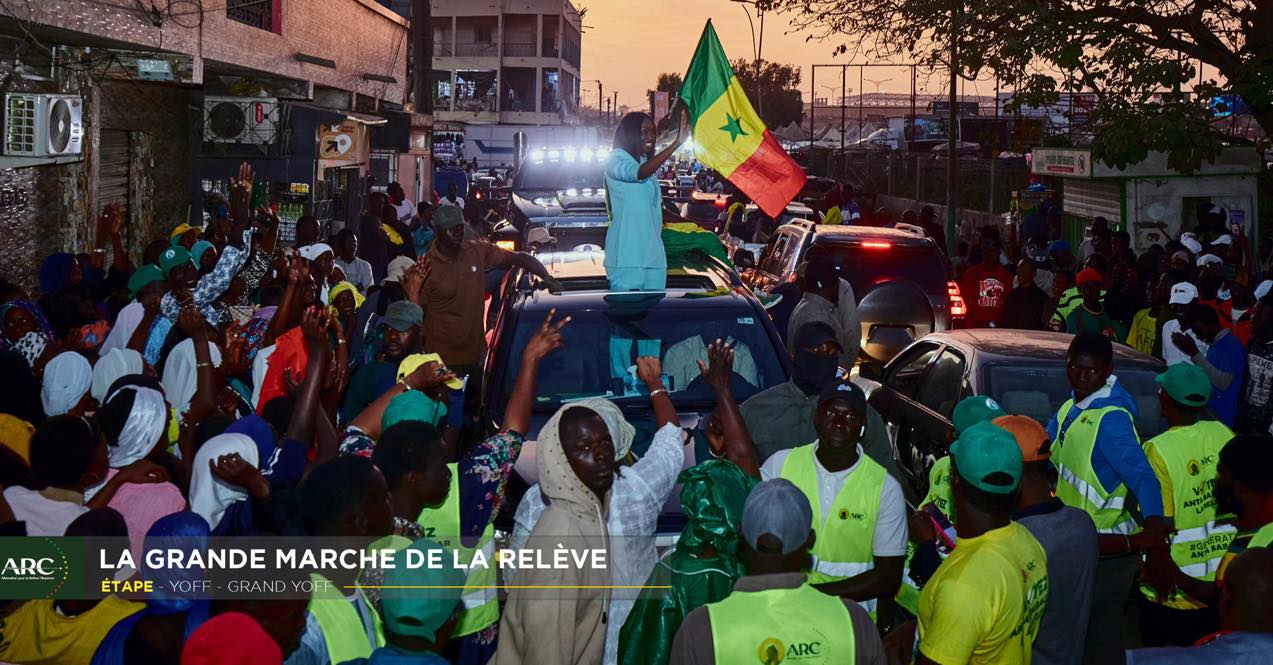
point(209, 496)
point(111, 366)
point(146, 422)
point(125, 325)
point(621, 431)
point(260, 364)
point(312, 252)
point(181, 374)
point(66, 379)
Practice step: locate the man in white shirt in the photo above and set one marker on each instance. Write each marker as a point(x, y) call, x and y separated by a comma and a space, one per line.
point(401, 204)
point(859, 510)
point(1183, 294)
point(357, 271)
point(452, 197)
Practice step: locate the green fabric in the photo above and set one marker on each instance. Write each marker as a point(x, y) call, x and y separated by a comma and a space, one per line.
point(677, 244)
point(420, 612)
point(1186, 383)
point(368, 383)
point(145, 275)
point(712, 497)
point(173, 257)
point(412, 405)
point(1081, 320)
point(984, 451)
point(708, 76)
point(972, 410)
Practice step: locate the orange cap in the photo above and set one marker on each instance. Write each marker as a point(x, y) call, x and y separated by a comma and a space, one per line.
point(1036, 445)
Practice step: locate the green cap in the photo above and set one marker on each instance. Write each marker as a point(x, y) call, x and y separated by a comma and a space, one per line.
point(973, 410)
point(412, 405)
point(173, 257)
point(1186, 384)
point(416, 611)
point(988, 458)
point(447, 216)
point(145, 275)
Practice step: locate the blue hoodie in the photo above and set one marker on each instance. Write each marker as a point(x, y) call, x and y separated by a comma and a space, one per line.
point(1118, 457)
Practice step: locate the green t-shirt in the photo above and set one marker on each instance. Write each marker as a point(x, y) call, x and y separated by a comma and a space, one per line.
point(1084, 320)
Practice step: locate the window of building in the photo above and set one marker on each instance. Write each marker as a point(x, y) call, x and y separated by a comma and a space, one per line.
point(475, 91)
point(442, 90)
point(482, 34)
point(263, 14)
point(550, 93)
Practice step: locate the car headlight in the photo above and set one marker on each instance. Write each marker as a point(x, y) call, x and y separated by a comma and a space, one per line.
point(546, 201)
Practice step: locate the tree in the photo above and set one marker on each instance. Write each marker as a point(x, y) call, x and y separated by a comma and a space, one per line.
point(779, 89)
point(669, 82)
point(1127, 52)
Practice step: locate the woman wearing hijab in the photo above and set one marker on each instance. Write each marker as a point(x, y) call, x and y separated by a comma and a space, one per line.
point(321, 259)
point(110, 367)
point(224, 481)
point(344, 301)
point(181, 373)
point(19, 318)
point(157, 633)
point(204, 254)
point(59, 271)
point(134, 421)
point(635, 259)
point(66, 383)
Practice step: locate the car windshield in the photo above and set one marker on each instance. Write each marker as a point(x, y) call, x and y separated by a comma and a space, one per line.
point(863, 267)
point(1038, 391)
point(560, 175)
point(601, 346)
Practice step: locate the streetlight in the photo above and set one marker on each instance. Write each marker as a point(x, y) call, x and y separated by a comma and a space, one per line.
point(758, 42)
point(877, 83)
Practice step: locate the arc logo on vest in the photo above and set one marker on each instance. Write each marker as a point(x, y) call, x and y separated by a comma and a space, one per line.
point(773, 651)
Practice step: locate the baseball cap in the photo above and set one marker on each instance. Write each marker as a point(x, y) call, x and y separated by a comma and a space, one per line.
point(778, 508)
point(844, 389)
point(145, 275)
point(1183, 293)
point(988, 458)
point(1207, 259)
point(402, 315)
point(972, 410)
point(1037, 254)
point(447, 216)
point(408, 609)
point(413, 362)
point(1058, 246)
point(412, 405)
point(1088, 275)
point(1186, 384)
point(1191, 242)
point(1035, 444)
point(173, 257)
point(397, 267)
point(1263, 289)
point(539, 236)
point(180, 230)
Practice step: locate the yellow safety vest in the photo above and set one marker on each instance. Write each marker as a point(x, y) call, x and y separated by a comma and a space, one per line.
point(842, 547)
point(1079, 486)
point(1191, 455)
point(800, 625)
point(1143, 332)
point(343, 630)
point(442, 524)
point(1263, 537)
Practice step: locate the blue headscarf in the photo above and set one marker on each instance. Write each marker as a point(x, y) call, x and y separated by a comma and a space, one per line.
point(28, 307)
point(55, 272)
point(184, 531)
point(258, 429)
point(198, 251)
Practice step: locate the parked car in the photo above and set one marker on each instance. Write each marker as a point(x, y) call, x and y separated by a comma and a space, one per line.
point(1024, 371)
point(815, 191)
point(704, 209)
point(704, 299)
point(903, 288)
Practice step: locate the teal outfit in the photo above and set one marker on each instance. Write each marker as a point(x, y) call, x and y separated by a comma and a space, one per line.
point(635, 259)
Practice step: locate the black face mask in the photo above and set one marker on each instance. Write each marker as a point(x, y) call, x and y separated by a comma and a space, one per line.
point(813, 371)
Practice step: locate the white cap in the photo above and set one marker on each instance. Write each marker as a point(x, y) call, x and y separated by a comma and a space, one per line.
point(1225, 239)
point(1263, 289)
point(1207, 259)
point(539, 236)
point(1191, 243)
point(1183, 293)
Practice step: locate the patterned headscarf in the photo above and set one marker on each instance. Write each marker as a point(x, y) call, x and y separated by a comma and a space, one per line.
point(31, 309)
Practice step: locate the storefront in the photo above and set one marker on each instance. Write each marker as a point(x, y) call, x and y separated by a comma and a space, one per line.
point(1149, 199)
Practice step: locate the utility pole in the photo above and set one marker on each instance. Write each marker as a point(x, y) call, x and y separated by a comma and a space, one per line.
point(616, 106)
point(601, 118)
point(952, 119)
point(422, 55)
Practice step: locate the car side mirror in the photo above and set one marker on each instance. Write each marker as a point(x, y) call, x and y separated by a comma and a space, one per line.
point(871, 371)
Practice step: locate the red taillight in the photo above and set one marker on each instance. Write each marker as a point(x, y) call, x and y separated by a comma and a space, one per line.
point(957, 305)
point(877, 244)
point(720, 203)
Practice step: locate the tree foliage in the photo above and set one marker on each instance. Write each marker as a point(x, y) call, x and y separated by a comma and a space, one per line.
point(780, 102)
point(1127, 52)
point(669, 82)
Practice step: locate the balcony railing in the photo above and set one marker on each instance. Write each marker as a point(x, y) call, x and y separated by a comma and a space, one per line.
point(476, 49)
point(520, 50)
point(442, 49)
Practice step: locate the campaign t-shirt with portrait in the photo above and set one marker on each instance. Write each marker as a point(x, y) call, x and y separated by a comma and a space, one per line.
point(985, 290)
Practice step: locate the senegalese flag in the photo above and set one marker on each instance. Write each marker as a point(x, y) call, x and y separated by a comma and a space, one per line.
point(728, 135)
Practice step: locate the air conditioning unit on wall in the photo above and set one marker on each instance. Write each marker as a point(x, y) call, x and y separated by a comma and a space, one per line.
point(243, 120)
point(39, 125)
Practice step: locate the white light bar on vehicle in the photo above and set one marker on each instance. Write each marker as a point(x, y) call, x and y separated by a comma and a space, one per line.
point(569, 153)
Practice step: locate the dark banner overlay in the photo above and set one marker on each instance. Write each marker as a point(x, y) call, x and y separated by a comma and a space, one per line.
point(279, 567)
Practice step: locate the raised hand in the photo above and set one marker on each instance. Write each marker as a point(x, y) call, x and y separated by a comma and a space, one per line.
point(190, 320)
point(650, 372)
point(234, 470)
point(142, 472)
point(241, 195)
point(314, 327)
point(414, 278)
point(546, 339)
point(428, 376)
point(719, 366)
point(297, 270)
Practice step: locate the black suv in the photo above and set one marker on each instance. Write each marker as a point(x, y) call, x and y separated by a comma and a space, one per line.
point(900, 278)
point(704, 300)
point(1024, 371)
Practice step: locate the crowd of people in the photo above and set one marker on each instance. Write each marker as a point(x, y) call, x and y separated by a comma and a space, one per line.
point(227, 386)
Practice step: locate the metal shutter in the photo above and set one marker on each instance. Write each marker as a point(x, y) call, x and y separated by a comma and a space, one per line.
point(1094, 198)
point(113, 160)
